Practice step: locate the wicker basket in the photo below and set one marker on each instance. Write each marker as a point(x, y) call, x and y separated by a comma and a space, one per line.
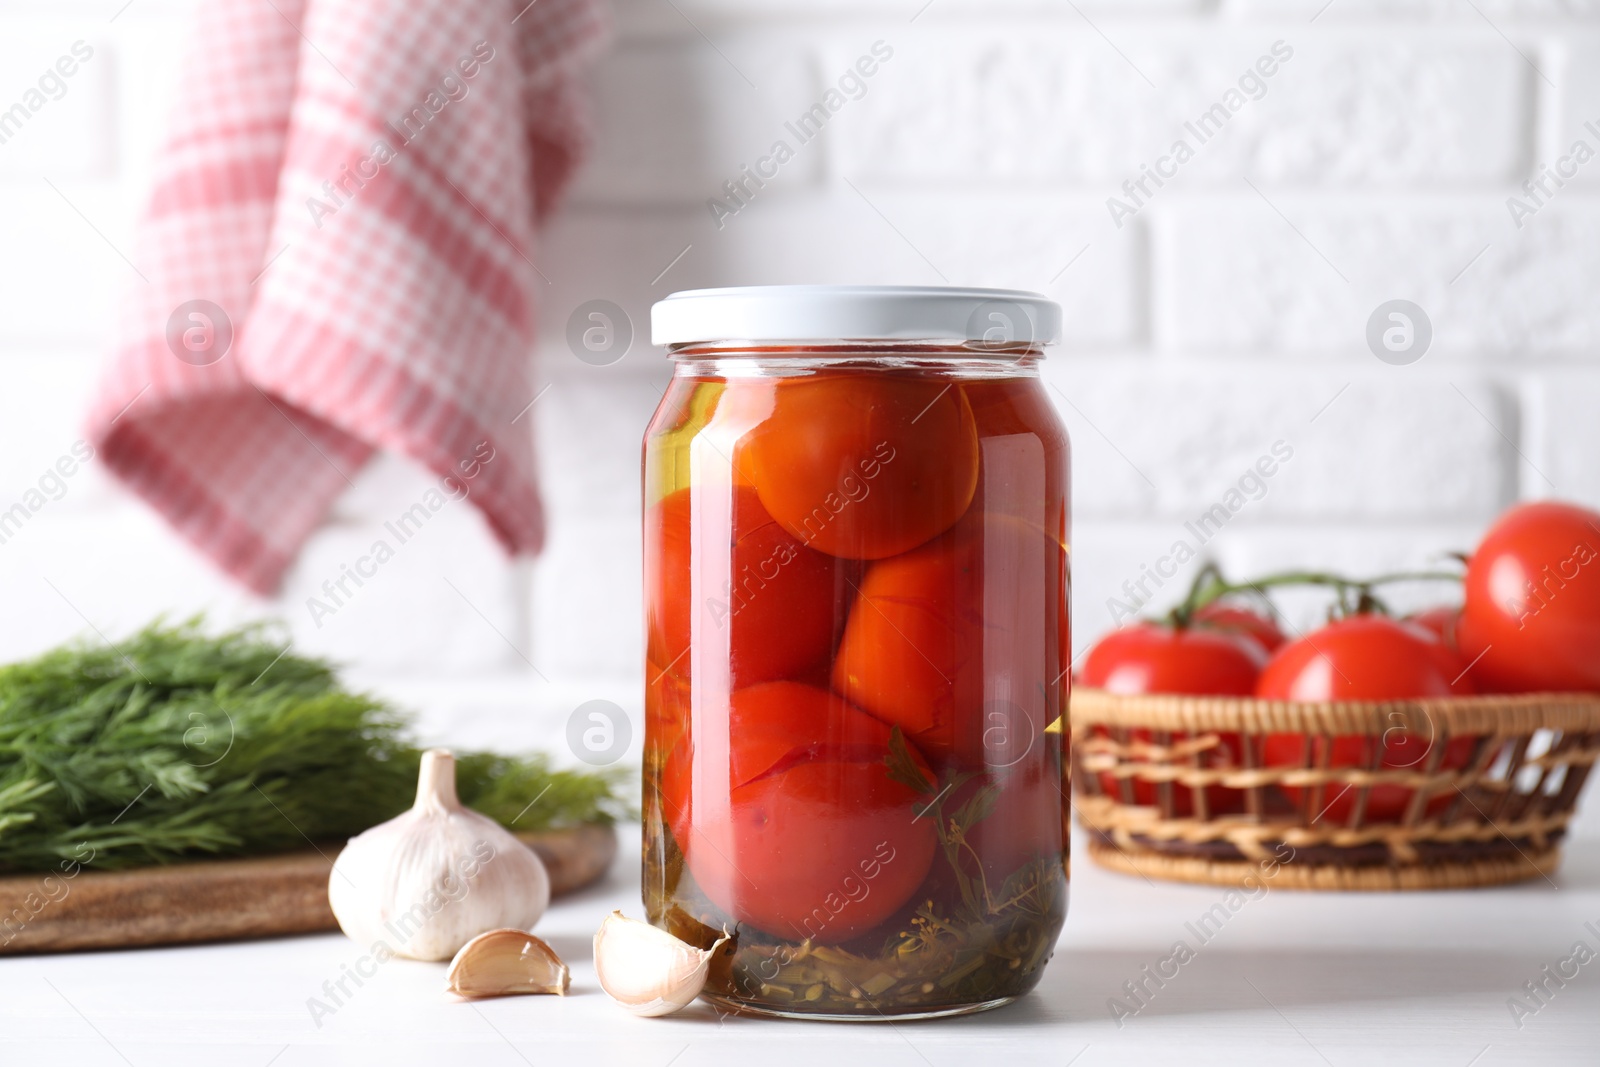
point(1175, 787)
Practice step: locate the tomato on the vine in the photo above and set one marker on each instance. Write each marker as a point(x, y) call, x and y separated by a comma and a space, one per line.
point(1154, 658)
point(1365, 657)
point(1444, 622)
point(789, 820)
point(1233, 618)
point(864, 467)
point(1532, 615)
point(1150, 657)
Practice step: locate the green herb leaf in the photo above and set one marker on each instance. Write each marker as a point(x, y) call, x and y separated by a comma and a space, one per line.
point(902, 767)
point(978, 807)
point(177, 744)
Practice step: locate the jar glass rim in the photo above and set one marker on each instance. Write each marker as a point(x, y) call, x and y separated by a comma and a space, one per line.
point(717, 361)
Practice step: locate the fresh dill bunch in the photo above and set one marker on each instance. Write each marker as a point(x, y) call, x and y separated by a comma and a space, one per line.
point(176, 744)
point(525, 794)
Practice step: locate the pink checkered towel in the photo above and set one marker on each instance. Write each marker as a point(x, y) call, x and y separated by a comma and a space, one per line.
point(338, 257)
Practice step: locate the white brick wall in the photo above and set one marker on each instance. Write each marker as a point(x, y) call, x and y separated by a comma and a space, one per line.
point(1001, 105)
point(1226, 315)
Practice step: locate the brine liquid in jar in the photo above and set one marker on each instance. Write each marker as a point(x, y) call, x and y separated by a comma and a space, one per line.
point(856, 581)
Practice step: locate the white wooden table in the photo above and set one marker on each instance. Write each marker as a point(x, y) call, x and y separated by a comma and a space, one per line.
point(1291, 978)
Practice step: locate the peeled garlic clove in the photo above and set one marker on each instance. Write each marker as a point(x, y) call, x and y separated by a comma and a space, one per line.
point(431, 879)
point(502, 962)
point(646, 970)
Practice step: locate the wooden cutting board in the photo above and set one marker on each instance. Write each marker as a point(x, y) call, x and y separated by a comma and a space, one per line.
point(218, 900)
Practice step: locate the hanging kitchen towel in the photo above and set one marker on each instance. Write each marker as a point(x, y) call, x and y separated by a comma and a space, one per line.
point(339, 256)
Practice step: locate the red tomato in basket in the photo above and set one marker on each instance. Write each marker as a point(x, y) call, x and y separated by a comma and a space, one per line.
point(1365, 657)
point(793, 824)
point(1441, 622)
point(1533, 601)
point(1232, 618)
point(1151, 658)
point(1148, 657)
point(923, 639)
point(777, 619)
point(864, 466)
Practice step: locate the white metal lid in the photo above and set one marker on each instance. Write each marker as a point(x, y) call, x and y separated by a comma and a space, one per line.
point(781, 313)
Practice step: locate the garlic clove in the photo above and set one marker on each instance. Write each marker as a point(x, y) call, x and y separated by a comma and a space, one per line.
point(431, 879)
point(646, 970)
point(503, 962)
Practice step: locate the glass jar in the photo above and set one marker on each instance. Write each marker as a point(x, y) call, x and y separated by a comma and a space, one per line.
point(856, 577)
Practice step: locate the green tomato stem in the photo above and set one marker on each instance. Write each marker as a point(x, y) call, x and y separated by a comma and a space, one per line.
point(1353, 596)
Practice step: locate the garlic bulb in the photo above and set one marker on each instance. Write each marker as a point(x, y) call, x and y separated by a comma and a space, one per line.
point(648, 971)
point(501, 962)
point(428, 881)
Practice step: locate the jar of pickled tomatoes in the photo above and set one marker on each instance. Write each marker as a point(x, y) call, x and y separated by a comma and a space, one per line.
point(856, 577)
